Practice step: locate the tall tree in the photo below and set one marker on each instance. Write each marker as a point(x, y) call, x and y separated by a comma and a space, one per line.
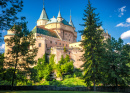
point(115, 64)
point(8, 12)
point(22, 49)
point(1, 64)
point(92, 45)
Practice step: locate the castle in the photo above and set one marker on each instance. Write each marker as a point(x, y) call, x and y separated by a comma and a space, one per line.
point(53, 35)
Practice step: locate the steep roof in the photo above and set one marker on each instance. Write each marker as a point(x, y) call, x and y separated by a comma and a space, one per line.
point(43, 14)
point(43, 31)
point(65, 22)
point(71, 23)
point(59, 14)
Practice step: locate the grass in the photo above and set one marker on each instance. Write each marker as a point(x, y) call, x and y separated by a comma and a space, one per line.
point(54, 92)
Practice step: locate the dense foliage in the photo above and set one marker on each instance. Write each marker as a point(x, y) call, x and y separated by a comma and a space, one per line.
point(64, 67)
point(115, 65)
point(92, 45)
point(20, 55)
point(8, 12)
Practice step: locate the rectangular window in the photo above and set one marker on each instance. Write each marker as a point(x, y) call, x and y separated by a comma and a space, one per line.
point(39, 44)
point(63, 44)
point(50, 41)
point(60, 44)
point(56, 43)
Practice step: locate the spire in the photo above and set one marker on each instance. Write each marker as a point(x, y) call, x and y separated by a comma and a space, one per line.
point(71, 23)
point(43, 13)
point(59, 15)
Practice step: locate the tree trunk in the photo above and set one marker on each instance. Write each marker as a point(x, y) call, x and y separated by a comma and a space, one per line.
point(116, 84)
point(14, 73)
point(13, 81)
point(94, 86)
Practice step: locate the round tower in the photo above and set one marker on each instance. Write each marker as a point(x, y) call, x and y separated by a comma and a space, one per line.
point(59, 18)
point(43, 19)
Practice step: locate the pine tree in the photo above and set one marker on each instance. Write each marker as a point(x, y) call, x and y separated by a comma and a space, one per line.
point(22, 49)
point(92, 45)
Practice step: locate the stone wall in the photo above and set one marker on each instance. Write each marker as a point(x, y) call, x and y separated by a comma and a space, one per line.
point(55, 88)
point(74, 54)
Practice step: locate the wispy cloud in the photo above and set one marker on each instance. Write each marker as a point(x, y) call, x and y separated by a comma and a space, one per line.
point(125, 35)
point(126, 24)
point(121, 11)
point(2, 48)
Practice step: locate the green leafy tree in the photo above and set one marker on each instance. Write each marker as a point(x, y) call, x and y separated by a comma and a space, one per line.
point(67, 58)
point(20, 55)
point(92, 45)
point(62, 60)
point(116, 58)
point(45, 67)
point(1, 62)
point(64, 66)
point(8, 12)
point(41, 65)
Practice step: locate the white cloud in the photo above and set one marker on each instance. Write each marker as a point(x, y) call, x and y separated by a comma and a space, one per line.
point(126, 24)
point(128, 20)
point(120, 24)
point(128, 43)
point(121, 11)
point(2, 46)
point(123, 25)
point(125, 35)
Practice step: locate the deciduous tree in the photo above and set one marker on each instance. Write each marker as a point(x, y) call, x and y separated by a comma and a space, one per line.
point(115, 65)
point(22, 50)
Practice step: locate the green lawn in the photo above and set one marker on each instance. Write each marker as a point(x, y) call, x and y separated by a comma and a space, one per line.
point(54, 92)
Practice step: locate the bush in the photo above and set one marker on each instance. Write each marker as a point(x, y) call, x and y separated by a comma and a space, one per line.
point(73, 82)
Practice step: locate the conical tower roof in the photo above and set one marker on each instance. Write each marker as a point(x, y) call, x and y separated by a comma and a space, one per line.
point(71, 23)
point(59, 14)
point(43, 14)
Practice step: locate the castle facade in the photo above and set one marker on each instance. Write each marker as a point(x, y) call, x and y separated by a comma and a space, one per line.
point(52, 35)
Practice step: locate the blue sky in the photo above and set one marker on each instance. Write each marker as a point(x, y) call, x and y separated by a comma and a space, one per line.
point(114, 14)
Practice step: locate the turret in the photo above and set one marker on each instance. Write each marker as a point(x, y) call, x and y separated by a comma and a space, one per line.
point(43, 19)
point(59, 18)
point(71, 23)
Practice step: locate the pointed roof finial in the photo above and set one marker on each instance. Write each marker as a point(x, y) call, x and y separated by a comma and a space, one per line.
point(71, 23)
point(59, 14)
point(43, 13)
point(43, 3)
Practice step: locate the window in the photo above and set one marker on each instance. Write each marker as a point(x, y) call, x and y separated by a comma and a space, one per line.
point(63, 44)
point(51, 42)
point(69, 39)
point(56, 43)
point(65, 33)
point(46, 45)
point(39, 44)
point(66, 44)
point(60, 44)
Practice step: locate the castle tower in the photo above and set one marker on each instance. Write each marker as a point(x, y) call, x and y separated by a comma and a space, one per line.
point(71, 23)
point(59, 18)
point(43, 19)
